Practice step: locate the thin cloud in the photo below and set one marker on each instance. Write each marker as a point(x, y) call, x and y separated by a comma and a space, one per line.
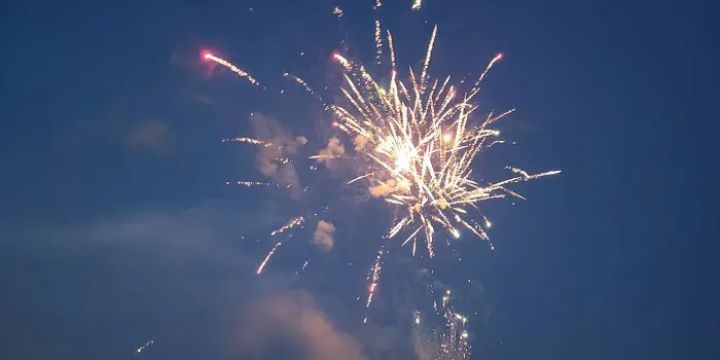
point(323, 236)
point(294, 318)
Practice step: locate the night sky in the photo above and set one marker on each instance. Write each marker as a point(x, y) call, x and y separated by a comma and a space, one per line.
point(117, 228)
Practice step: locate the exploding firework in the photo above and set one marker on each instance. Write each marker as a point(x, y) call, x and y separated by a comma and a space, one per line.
point(414, 142)
point(417, 146)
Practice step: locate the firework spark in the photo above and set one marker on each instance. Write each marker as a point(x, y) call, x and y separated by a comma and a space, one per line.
point(208, 56)
point(418, 146)
point(305, 86)
point(416, 5)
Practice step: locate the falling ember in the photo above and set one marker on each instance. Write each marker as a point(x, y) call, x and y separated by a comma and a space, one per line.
point(208, 56)
point(373, 277)
point(267, 258)
point(289, 225)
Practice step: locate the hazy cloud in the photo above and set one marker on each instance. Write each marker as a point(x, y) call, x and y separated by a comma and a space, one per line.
point(329, 154)
point(152, 135)
point(360, 142)
point(387, 188)
point(270, 323)
point(273, 160)
point(323, 235)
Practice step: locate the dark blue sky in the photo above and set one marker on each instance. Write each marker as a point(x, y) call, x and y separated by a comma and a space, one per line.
point(116, 226)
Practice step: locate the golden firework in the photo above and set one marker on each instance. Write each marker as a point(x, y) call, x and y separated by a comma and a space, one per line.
point(419, 142)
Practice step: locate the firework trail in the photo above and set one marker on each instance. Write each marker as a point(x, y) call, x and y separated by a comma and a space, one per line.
point(267, 258)
point(299, 220)
point(208, 56)
point(374, 278)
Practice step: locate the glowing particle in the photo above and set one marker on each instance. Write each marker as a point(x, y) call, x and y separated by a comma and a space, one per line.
point(416, 5)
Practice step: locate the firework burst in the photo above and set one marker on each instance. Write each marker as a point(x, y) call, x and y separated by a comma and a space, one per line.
point(414, 141)
point(418, 145)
